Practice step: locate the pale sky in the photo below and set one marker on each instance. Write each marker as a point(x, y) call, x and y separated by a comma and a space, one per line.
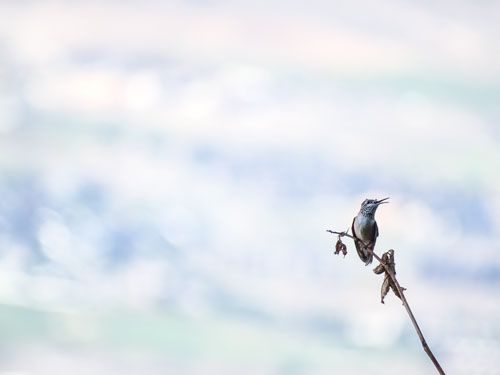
point(169, 170)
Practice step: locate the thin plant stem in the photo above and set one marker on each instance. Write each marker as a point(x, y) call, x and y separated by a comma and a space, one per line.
point(426, 347)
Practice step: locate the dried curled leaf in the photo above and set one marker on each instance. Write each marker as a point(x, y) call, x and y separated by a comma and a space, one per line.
point(385, 289)
point(379, 269)
point(388, 283)
point(340, 247)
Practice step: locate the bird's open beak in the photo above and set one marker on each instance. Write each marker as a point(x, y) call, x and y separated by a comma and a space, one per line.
point(382, 201)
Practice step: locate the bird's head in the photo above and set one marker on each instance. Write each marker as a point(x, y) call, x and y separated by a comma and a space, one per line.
point(369, 206)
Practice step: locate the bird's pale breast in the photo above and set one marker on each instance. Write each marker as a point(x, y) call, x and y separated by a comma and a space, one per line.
point(365, 228)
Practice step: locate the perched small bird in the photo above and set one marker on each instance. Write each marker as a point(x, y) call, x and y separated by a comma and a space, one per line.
point(364, 227)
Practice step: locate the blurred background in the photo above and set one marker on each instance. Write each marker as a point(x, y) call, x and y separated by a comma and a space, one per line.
point(168, 170)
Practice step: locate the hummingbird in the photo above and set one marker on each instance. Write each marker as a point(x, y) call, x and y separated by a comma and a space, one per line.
point(364, 228)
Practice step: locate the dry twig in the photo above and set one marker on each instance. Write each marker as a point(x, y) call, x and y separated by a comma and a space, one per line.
point(387, 264)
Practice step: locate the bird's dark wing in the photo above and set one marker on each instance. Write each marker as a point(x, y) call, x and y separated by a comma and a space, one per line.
point(376, 232)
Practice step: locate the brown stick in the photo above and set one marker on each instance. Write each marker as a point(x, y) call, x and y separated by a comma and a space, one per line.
point(403, 299)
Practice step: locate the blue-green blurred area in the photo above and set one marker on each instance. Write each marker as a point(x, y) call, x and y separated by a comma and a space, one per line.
point(168, 170)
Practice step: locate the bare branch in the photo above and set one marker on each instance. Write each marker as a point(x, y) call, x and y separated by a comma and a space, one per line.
point(390, 270)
